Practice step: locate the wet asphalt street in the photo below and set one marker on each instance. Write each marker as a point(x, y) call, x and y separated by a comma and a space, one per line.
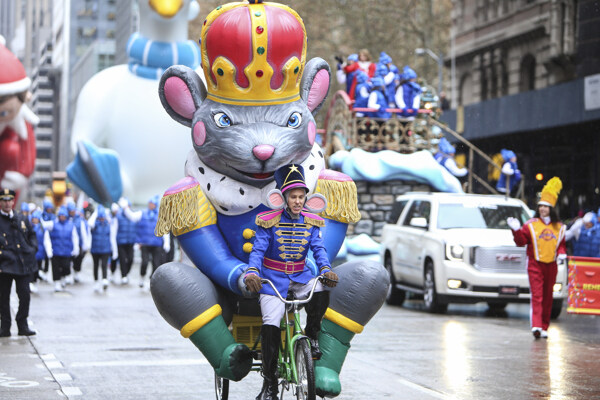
point(115, 345)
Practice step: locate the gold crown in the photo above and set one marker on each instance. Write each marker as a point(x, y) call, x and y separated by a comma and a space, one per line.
point(253, 53)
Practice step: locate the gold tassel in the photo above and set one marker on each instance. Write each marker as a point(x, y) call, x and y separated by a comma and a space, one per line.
point(314, 222)
point(342, 201)
point(178, 211)
point(268, 224)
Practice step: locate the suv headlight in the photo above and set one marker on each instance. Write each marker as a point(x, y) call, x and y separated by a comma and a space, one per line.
point(455, 252)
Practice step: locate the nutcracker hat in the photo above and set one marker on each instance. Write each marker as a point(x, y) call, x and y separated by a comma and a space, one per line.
point(7, 194)
point(13, 78)
point(289, 177)
point(253, 53)
point(550, 192)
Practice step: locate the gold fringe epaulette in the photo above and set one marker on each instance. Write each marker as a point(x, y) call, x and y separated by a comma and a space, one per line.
point(184, 211)
point(268, 222)
point(313, 221)
point(342, 201)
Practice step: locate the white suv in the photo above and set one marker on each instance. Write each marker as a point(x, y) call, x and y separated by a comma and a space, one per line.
point(457, 248)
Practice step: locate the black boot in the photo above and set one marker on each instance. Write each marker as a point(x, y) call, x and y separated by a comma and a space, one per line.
point(270, 340)
point(315, 310)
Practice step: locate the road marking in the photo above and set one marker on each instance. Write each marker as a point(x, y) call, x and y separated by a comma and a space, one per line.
point(423, 389)
point(63, 377)
point(54, 365)
point(138, 363)
point(71, 391)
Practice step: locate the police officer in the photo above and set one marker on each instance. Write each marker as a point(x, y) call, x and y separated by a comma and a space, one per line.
point(18, 245)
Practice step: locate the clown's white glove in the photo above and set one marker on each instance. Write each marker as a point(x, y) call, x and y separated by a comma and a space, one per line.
point(513, 223)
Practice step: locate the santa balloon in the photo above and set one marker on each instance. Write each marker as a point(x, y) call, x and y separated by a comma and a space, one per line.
point(17, 139)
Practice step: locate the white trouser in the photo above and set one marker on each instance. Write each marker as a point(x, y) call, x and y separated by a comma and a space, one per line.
point(272, 308)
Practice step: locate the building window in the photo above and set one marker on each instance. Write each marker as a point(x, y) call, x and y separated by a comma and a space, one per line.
point(527, 74)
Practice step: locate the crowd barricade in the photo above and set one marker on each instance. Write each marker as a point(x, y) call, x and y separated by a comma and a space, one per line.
point(584, 285)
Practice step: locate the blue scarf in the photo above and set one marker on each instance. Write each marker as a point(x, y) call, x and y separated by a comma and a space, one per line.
point(149, 58)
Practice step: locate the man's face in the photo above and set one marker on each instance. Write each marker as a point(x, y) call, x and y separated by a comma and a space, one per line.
point(7, 204)
point(295, 200)
point(9, 109)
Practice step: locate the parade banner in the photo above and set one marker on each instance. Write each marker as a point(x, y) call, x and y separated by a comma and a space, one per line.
point(584, 285)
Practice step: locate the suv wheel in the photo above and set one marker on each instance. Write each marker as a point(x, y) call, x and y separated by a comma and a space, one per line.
point(430, 296)
point(394, 296)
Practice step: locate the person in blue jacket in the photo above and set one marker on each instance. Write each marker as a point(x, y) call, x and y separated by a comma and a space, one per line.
point(44, 249)
point(287, 268)
point(510, 175)
point(587, 241)
point(391, 78)
point(125, 240)
point(47, 215)
point(445, 157)
point(83, 232)
point(151, 246)
point(378, 100)
point(363, 90)
point(65, 245)
point(408, 94)
point(103, 245)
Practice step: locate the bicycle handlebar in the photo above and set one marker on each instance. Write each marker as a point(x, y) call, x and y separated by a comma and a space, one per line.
point(304, 301)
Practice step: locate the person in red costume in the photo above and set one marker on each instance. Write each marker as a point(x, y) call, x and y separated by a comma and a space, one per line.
point(364, 63)
point(17, 139)
point(544, 236)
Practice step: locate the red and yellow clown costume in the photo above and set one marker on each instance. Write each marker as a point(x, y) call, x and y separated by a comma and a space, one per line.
point(545, 241)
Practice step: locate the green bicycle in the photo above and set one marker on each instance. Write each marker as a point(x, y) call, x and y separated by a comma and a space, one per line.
point(295, 364)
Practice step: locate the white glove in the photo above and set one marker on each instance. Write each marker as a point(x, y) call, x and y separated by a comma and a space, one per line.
point(49, 254)
point(561, 257)
point(513, 223)
point(75, 252)
point(123, 203)
point(167, 246)
point(13, 179)
point(115, 255)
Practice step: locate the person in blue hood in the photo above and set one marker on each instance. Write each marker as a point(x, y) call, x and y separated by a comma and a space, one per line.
point(44, 249)
point(83, 232)
point(377, 99)
point(408, 94)
point(363, 90)
point(104, 244)
point(510, 175)
point(152, 247)
point(587, 239)
point(391, 77)
point(445, 157)
point(65, 245)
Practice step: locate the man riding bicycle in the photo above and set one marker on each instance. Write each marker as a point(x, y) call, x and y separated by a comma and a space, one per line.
point(283, 238)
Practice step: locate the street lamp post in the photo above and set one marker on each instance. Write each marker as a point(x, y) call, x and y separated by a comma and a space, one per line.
point(440, 61)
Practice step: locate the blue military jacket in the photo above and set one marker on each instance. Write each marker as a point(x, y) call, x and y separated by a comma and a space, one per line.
point(279, 238)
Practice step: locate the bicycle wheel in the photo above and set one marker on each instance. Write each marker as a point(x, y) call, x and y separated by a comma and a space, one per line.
point(221, 388)
point(305, 387)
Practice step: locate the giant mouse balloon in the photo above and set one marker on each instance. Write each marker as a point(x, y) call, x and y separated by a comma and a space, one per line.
point(254, 115)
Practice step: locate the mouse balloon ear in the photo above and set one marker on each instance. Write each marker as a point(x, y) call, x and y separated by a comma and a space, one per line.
point(275, 199)
point(316, 203)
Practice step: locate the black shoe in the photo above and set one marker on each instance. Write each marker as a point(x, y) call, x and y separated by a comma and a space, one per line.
point(26, 332)
point(315, 350)
point(5, 333)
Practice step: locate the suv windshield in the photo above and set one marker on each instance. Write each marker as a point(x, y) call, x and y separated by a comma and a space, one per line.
point(491, 216)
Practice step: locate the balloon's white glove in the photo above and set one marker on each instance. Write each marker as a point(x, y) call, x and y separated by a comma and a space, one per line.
point(13, 179)
point(513, 223)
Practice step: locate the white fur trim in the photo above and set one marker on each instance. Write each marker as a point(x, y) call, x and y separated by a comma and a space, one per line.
point(544, 203)
point(29, 115)
point(15, 87)
point(231, 197)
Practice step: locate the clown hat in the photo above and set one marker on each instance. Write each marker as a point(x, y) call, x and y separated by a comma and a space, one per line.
point(13, 78)
point(550, 192)
point(289, 177)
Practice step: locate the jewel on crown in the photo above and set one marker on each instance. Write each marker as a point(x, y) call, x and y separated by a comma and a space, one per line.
point(253, 53)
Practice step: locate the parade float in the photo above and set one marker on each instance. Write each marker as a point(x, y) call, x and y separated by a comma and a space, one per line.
point(17, 138)
point(254, 115)
point(125, 143)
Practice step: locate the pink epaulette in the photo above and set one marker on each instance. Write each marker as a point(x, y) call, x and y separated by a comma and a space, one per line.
point(331, 175)
point(269, 215)
point(313, 216)
point(182, 185)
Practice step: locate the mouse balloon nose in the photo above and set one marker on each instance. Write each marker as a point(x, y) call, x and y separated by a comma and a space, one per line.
point(263, 151)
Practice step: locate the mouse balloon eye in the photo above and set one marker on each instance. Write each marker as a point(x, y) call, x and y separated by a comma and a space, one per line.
point(222, 120)
point(295, 120)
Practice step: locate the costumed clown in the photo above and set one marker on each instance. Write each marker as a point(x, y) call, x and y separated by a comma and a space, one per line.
point(254, 116)
point(17, 139)
point(544, 236)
